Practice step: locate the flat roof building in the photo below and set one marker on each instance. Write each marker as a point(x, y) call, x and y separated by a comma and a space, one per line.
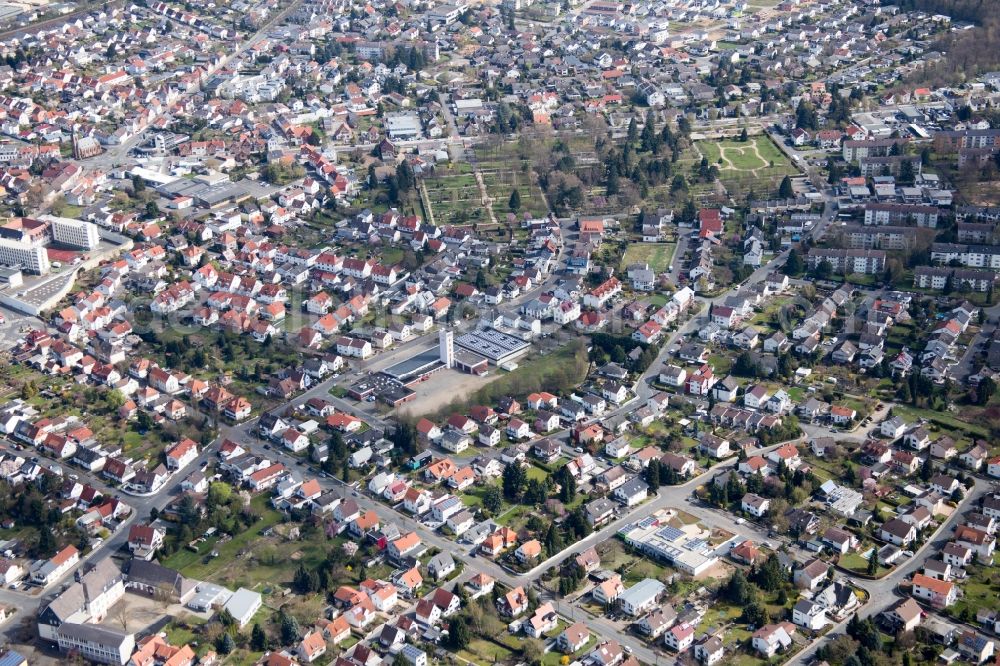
point(497, 347)
point(243, 605)
point(403, 126)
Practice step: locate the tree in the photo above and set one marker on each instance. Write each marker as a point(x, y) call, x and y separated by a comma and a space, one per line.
point(906, 173)
point(304, 582)
point(805, 116)
point(745, 365)
point(653, 474)
point(29, 390)
point(743, 135)
point(123, 614)
point(458, 633)
point(289, 629)
point(553, 540)
point(567, 486)
point(737, 589)
point(927, 469)
point(404, 176)
point(873, 563)
point(481, 282)
point(770, 576)
point(785, 190)
point(225, 643)
point(987, 387)
point(493, 499)
point(823, 270)
point(515, 201)
point(46, 545)
point(514, 480)
point(756, 614)
point(115, 399)
point(835, 171)
point(404, 438)
point(152, 210)
point(258, 639)
point(793, 264)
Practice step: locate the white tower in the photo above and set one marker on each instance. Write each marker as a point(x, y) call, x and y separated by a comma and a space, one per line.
point(446, 347)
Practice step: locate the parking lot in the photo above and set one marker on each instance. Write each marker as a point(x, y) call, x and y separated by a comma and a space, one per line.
point(14, 325)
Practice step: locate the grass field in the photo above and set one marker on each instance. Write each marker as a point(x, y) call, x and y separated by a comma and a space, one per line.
point(943, 418)
point(250, 559)
point(657, 255)
point(756, 163)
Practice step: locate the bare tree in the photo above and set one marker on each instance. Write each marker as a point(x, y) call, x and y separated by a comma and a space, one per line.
point(164, 595)
point(122, 614)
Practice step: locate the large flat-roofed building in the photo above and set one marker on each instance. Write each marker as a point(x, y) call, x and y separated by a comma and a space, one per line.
point(11, 277)
point(416, 368)
point(403, 126)
point(495, 346)
point(31, 259)
point(687, 548)
point(243, 605)
point(74, 233)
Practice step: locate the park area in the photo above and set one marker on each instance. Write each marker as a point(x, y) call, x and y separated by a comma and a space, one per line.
point(657, 255)
point(756, 163)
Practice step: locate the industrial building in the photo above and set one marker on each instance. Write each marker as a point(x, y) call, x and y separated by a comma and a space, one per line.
point(497, 347)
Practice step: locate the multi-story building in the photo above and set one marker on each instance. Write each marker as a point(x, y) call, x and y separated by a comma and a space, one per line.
point(96, 643)
point(900, 214)
point(24, 256)
point(972, 256)
point(937, 277)
point(74, 233)
point(849, 261)
point(855, 150)
point(889, 237)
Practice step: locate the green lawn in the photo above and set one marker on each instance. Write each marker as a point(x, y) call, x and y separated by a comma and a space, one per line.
point(179, 633)
point(756, 154)
point(481, 651)
point(945, 419)
point(537, 473)
point(657, 255)
point(980, 590)
point(201, 566)
point(855, 562)
point(721, 363)
point(756, 164)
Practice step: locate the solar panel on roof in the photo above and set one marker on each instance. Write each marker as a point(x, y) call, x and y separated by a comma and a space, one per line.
point(670, 533)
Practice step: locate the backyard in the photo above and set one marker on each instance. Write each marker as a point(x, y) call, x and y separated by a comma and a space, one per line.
point(657, 255)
